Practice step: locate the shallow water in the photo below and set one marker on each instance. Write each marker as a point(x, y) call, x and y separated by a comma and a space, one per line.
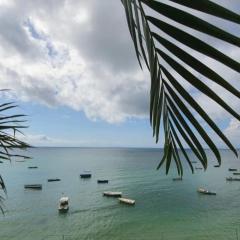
point(164, 209)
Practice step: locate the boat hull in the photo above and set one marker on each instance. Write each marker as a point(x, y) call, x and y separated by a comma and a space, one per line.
point(205, 192)
point(232, 179)
point(112, 194)
point(54, 180)
point(177, 179)
point(127, 201)
point(33, 186)
point(86, 175)
point(63, 209)
point(102, 181)
point(232, 169)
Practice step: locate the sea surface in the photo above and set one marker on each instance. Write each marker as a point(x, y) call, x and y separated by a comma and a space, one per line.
point(164, 209)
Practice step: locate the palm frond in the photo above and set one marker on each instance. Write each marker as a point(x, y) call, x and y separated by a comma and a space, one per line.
point(170, 103)
point(9, 143)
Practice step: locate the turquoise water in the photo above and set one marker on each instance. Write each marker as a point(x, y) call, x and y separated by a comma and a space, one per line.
point(164, 209)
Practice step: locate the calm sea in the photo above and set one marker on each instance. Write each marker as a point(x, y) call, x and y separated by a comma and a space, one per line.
point(164, 209)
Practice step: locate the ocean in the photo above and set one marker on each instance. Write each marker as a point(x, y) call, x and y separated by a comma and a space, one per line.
point(164, 209)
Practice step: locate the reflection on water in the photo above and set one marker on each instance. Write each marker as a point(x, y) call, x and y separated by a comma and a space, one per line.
point(164, 209)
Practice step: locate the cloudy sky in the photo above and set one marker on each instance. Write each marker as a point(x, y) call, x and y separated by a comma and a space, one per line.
point(71, 66)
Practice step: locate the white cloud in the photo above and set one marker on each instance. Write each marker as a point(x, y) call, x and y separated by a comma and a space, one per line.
point(79, 54)
point(72, 59)
point(42, 140)
point(233, 131)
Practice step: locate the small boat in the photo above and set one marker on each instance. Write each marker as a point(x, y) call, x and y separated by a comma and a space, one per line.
point(203, 191)
point(232, 169)
point(112, 194)
point(232, 179)
point(177, 179)
point(102, 181)
point(63, 204)
point(20, 161)
point(126, 201)
point(33, 186)
point(85, 175)
point(33, 167)
point(198, 168)
point(216, 165)
point(1, 161)
point(54, 179)
point(236, 173)
point(193, 161)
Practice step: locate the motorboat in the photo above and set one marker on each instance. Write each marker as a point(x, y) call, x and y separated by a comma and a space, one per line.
point(232, 169)
point(102, 181)
point(86, 174)
point(232, 179)
point(177, 179)
point(112, 194)
point(63, 204)
point(54, 179)
point(33, 186)
point(204, 191)
point(126, 201)
point(236, 173)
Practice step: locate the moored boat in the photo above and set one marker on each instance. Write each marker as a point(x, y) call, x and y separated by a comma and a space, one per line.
point(232, 179)
point(236, 173)
point(85, 175)
point(232, 169)
point(32, 167)
point(198, 168)
point(102, 181)
point(217, 165)
point(54, 179)
point(126, 201)
point(204, 191)
point(112, 194)
point(33, 186)
point(63, 204)
point(177, 179)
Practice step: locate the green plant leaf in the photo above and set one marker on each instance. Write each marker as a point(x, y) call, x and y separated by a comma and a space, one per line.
point(210, 7)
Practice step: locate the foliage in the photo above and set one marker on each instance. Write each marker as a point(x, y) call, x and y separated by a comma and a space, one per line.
point(10, 125)
point(170, 104)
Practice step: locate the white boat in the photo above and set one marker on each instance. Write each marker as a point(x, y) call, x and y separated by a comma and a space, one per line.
point(127, 201)
point(204, 191)
point(63, 204)
point(112, 194)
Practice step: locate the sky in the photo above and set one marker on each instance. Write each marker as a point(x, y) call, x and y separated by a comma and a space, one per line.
point(71, 66)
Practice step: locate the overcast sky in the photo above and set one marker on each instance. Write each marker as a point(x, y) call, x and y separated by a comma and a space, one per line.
point(71, 66)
